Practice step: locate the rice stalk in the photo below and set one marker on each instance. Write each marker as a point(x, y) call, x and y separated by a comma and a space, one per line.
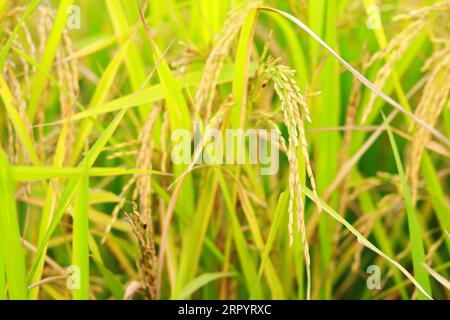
point(207, 86)
point(142, 228)
point(165, 129)
point(435, 95)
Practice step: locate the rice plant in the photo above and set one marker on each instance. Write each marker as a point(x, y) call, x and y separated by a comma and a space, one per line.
point(163, 149)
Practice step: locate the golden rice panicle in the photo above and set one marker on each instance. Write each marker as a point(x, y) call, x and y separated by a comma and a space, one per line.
point(397, 47)
point(392, 53)
point(122, 154)
point(350, 117)
point(144, 162)
point(16, 72)
point(439, 7)
point(143, 231)
point(20, 105)
point(67, 71)
point(435, 95)
point(44, 27)
point(294, 110)
point(206, 89)
point(142, 189)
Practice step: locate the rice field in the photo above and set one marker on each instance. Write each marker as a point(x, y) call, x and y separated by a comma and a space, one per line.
point(228, 149)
